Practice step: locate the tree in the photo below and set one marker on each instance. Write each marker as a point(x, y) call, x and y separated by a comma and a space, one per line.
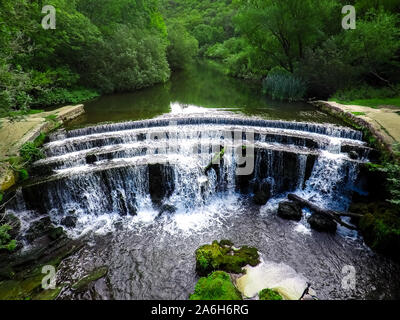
point(374, 45)
point(182, 46)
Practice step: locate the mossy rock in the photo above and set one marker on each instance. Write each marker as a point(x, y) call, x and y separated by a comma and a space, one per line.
point(56, 233)
point(21, 278)
point(223, 256)
point(217, 286)
point(269, 294)
point(96, 274)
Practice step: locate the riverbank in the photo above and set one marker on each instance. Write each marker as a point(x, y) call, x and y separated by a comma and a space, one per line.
point(382, 123)
point(14, 133)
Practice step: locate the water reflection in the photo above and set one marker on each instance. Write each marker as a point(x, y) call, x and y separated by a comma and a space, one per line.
point(201, 88)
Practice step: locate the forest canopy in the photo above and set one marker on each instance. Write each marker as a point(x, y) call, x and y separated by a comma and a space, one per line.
point(102, 46)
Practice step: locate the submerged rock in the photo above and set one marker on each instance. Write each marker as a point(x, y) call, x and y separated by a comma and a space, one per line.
point(217, 286)
point(167, 208)
point(84, 283)
point(38, 229)
point(263, 194)
point(289, 210)
point(69, 221)
point(223, 256)
point(321, 223)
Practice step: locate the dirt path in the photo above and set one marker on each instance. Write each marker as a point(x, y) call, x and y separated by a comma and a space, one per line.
point(384, 122)
point(13, 134)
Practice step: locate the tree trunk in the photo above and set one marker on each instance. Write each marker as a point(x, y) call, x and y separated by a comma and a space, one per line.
point(335, 216)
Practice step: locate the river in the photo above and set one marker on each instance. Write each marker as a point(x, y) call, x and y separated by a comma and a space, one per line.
point(151, 255)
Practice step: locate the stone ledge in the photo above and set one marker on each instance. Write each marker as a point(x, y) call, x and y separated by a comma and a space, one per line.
point(13, 134)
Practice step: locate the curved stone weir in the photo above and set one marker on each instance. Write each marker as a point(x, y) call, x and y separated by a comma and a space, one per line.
point(325, 129)
point(126, 168)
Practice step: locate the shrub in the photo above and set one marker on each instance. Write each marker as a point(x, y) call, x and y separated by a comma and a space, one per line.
point(269, 294)
point(282, 85)
point(217, 286)
point(5, 238)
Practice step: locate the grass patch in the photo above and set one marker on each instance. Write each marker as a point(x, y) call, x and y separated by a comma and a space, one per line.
point(19, 113)
point(51, 118)
point(372, 103)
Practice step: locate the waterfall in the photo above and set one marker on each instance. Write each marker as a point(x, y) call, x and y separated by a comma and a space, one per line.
point(125, 169)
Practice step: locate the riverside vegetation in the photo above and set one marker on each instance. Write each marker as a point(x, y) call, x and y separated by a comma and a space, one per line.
point(101, 47)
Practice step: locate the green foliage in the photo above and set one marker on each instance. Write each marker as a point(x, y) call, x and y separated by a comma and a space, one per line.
point(380, 227)
point(183, 47)
point(217, 286)
point(5, 239)
point(368, 96)
point(23, 174)
point(30, 153)
point(222, 256)
point(105, 45)
point(269, 294)
point(282, 85)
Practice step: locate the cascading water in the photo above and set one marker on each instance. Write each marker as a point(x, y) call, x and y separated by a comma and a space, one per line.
point(154, 185)
point(135, 167)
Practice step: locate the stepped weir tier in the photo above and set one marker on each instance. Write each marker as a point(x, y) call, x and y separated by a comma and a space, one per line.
point(147, 193)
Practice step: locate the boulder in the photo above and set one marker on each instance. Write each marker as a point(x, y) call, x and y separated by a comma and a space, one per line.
point(69, 221)
point(353, 155)
point(263, 194)
point(167, 208)
point(289, 210)
point(321, 223)
point(38, 229)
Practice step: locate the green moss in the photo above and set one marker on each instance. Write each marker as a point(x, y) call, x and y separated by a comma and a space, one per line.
point(23, 174)
point(269, 294)
point(27, 284)
point(222, 256)
point(39, 141)
point(84, 283)
point(56, 233)
point(5, 238)
point(217, 286)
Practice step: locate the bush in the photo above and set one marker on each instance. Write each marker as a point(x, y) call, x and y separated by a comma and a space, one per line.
point(282, 85)
point(30, 153)
point(57, 96)
point(217, 286)
point(5, 238)
point(269, 294)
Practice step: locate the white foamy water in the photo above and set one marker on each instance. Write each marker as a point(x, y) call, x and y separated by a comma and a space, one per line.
point(271, 275)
